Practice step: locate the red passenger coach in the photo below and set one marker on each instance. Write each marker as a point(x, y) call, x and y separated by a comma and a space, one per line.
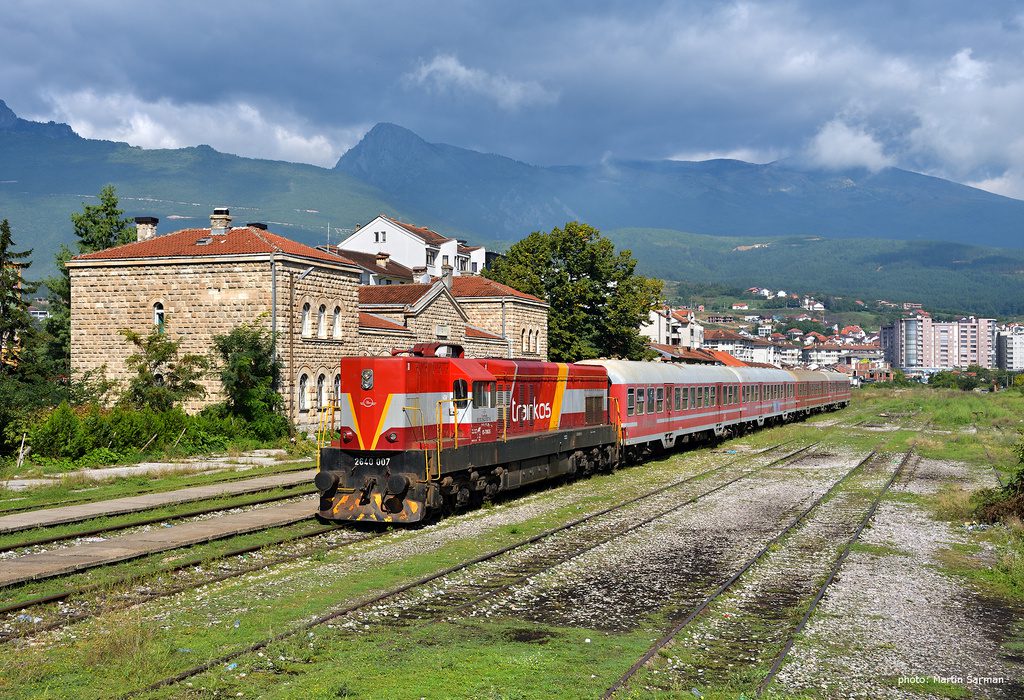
point(418, 432)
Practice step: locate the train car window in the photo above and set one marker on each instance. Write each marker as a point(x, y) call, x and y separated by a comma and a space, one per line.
point(484, 395)
point(679, 399)
point(640, 393)
point(692, 403)
point(460, 393)
point(714, 396)
point(660, 400)
point(650, 399)
point(630, 401)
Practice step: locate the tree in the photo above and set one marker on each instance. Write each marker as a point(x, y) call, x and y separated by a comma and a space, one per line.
point(15, 320)
point(97, 227)
point(248, 371)
point(162, 377)
point(597, 302)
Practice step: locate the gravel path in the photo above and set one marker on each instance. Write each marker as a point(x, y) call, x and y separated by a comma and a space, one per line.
point(892, 623)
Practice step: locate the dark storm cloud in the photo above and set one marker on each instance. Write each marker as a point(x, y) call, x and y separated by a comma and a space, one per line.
point(932, 86)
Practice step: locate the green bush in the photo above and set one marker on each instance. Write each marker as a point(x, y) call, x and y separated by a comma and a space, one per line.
point(59, 434)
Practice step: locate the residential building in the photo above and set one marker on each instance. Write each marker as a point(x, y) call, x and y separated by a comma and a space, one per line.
point(415, 246)
point(675, 327)
point(919, 343)
point(1010, 349)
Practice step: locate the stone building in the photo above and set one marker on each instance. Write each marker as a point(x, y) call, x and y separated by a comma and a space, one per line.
point(196, 284)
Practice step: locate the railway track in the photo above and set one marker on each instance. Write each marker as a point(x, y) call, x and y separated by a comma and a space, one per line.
point(63, 619)
point(782, 575)
point(4, 511)
point(238, 502)
point(791, 639)
point(544, 536)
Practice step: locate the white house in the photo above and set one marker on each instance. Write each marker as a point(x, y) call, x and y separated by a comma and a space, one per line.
point(415, 246)
point(676, 327)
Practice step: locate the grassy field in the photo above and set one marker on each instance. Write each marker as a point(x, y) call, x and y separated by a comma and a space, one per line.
point(500, 656)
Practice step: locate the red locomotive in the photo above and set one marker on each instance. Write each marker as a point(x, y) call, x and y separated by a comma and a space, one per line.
point(417, 433)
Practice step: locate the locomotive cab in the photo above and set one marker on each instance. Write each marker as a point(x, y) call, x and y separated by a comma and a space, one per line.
point(395, 417)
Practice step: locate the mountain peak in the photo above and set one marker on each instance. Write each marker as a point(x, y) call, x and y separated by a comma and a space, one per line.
point(8, 118)
point(9, 121)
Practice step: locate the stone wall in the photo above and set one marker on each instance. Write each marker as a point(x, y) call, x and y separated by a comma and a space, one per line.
point(520, 316)
point(200, 300)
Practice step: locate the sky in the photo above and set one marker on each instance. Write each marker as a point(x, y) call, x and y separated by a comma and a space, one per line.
point(931, 86)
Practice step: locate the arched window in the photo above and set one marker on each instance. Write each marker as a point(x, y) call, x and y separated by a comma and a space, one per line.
point(535, 345)
point(306, 321)
point(321, 321)
point(337, 389)
point(304, 391)
point(158, 316)
point(321, 391)
point(526, 341)
point(336, 324)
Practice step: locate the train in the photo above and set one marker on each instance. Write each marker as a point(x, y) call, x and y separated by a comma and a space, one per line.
point(427, 430)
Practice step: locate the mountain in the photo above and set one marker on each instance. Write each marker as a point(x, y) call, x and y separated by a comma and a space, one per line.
point(950, 278)
point(504, 198)
point(839, 232)
point(47, 172)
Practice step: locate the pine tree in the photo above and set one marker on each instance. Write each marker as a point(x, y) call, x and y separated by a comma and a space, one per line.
point(15, 320)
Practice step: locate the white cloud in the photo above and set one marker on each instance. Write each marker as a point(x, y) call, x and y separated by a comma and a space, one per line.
point(838, 145)
point(231, 127)
point(445, 72)
point(750, 155)
point(1009, 184)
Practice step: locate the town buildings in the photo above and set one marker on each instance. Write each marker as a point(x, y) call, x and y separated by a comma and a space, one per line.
point(196, 284)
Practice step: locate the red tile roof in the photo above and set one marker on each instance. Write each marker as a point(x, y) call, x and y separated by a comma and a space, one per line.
point(368, 261)
point(244, 240)
point(723, 335)
point(468, 286)
point(725, 358)
point(380, 323)
point(421, 232)
point(398, 294)
point(699, 355)
point(474, 332)
point(467, 249)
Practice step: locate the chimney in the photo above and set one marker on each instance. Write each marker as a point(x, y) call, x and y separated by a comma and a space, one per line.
point(382, 259)
point(145, 227)
point(220, 221)
point(419, 275)
point(446, 275)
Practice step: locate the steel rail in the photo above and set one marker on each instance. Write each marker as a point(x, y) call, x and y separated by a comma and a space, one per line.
point(150, 521)
point(781, 657)
point(144, 491)
point(387, 595)
point(54, 598)
point(661, 642)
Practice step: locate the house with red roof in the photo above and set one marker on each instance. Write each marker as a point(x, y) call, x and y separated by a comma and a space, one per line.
point(198, 283)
